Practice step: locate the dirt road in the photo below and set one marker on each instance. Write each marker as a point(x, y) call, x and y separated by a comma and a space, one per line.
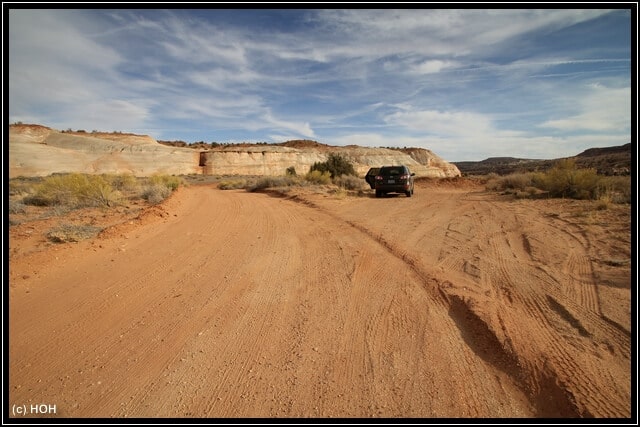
point(452, 303)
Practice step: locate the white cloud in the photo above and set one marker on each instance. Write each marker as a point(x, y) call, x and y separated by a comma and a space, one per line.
point(113, 115)
point(432, 66)
point(303, 129)
point(442, 123)
point(601, 109)
point(51, 38)
point(223, 80)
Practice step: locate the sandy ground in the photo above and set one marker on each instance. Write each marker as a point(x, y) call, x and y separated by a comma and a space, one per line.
point(454, 303)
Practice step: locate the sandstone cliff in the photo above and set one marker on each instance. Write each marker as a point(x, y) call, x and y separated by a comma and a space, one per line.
point(274, 160)
point(36, 150)
point(39, 151)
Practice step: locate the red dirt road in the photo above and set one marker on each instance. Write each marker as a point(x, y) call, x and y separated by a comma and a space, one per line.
point(452, 303)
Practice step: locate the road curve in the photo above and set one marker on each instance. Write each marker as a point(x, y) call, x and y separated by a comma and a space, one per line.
point(236, 304)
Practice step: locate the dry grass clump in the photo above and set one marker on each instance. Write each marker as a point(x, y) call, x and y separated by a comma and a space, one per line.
point(273, 182)
point(155, 193)
point(43, 198)
point(233, 184)
point(75, 190)
point(156, 188)
point(615, 189)
point(123, 182)
point(172, 182)
point(565, 180)
point(17, 207)
point(72, 233)
point(284, 182)
point(318, 177)
point(350, 182)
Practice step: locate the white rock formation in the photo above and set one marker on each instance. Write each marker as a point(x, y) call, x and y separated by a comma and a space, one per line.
point(39, 151)
point(36, 150)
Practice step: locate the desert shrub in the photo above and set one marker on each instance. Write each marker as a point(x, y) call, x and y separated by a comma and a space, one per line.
point(291, 171)
point(170, 181)
point(36, 200)
point(616, 189)
point(232, 184)
point(493, 184)
point(336, 165)
point(603, 203)
point(77, 190)
point(318, 177)
point(155, 193)
point(156, 188)
point(123, 182)
point(350, 182)
point(72, 233)
point(272, 182)
point(516, 181)
point(22, 185)
point(566, 180)
point(16, 207)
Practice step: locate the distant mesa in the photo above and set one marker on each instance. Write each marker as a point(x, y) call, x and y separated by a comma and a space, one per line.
point(614, 160)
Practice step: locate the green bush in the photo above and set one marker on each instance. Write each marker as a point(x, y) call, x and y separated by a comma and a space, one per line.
point(291, 171)
point(336, 165)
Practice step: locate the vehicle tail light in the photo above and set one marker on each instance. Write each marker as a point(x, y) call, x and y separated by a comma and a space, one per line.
point(404, 176)
point(378, 177)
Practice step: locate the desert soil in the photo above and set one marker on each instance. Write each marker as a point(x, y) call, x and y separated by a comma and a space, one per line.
point(453, 303)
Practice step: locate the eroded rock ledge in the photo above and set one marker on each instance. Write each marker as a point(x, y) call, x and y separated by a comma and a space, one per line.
point(36, 150)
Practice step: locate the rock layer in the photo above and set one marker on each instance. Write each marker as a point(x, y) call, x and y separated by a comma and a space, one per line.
point(36, 150)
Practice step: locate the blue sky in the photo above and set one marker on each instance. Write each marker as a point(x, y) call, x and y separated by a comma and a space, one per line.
point(466, 84)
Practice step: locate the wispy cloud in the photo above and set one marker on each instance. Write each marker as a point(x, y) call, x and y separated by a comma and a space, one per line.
point(599, 109)
point(299, 128)
point(439, 123)
point(468, 83)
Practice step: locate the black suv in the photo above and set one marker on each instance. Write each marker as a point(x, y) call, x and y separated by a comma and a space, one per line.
point(392, 179)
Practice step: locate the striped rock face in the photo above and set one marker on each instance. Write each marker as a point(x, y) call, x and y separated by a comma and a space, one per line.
point(39, 151)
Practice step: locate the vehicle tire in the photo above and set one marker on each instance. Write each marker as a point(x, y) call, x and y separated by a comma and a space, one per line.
point(408, 193)
point(378, 193)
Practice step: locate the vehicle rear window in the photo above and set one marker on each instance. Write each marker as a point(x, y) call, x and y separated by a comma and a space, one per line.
point(391, 171)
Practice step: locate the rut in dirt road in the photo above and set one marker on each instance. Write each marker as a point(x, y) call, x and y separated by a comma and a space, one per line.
point(547, 398)
point(509, 299)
